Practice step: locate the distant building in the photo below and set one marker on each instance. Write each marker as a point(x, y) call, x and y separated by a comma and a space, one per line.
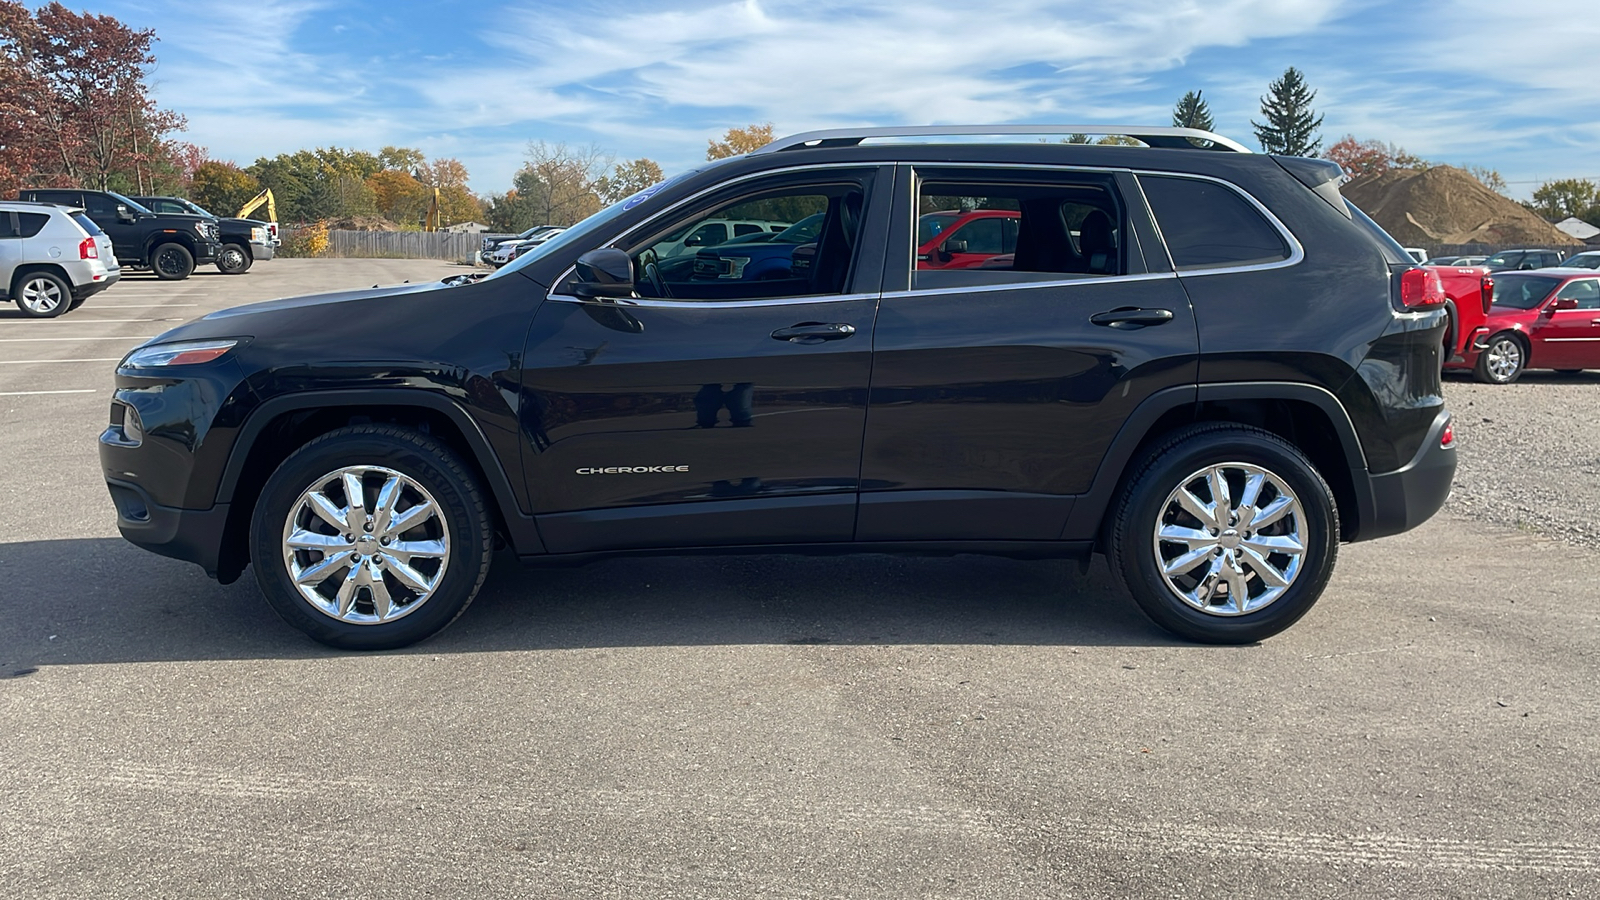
point(467, 228)
point(1581, 230)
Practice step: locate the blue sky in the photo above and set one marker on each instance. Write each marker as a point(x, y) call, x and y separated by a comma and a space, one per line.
point(1512, 87)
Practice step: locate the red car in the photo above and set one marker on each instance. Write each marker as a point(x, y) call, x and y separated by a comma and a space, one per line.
point(1469, 290)
point(965, 240)
point(1547, 318)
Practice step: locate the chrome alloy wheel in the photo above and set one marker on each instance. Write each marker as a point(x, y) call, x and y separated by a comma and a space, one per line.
point(1230, 539)
point(366, 545)
point(41, 295)
point(1505, 358)
point(232, 257)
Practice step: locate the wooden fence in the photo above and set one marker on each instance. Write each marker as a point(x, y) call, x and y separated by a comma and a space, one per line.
point(404, 244)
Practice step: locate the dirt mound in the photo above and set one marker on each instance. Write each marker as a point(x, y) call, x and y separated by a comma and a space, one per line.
point(1446, 205)
point(362, 223)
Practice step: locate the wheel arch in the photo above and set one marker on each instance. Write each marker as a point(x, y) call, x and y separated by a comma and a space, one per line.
point(284, 424)
point(1308, 416)
point(29, 268)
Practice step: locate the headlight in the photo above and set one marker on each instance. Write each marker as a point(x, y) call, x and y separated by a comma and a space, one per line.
point(182, 353)
point(258, 235)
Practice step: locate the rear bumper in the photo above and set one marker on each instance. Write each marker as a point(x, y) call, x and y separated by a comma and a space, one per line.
point(192, 535)
point(1405, 498)
point(89, 289)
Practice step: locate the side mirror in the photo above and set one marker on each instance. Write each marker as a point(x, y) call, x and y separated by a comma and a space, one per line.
point(125, 215)
point(955, 246)
point(607, 272)
point(1562, 303)
point(693, 242)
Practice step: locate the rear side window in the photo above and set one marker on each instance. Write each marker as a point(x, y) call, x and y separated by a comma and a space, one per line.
point(8, 224)
point(87, 224)
point(1207, 225)
point(31, 224)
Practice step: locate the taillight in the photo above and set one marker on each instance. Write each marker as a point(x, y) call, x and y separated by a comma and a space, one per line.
point(87, 249)
point(1487, 290)
point(1447, 437)
point(1421, 289)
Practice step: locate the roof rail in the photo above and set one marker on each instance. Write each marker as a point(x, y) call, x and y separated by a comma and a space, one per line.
point(1169, 138)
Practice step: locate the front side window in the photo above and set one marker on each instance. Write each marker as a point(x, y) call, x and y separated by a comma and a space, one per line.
point(100, 204)
point(813, 254)
point(1586, 292)
point(1208, 225)
point(1031, 229)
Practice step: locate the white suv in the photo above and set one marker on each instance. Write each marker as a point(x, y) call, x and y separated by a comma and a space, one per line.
point(52, 258)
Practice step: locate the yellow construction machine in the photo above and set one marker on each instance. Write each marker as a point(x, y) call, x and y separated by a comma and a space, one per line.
point(272, 211)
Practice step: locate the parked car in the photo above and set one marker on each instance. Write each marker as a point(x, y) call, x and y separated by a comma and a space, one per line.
point(962, 240)
point(169, 244)
point(368, 450)
point(711, 233)
point(506, 251)
point(244, 241)
point(1456, 261)
point(752, 257)
point(491, 244)
point(52, 258)
point(1416, 253)
point(1468, 290)
point(1587, 260)
point(1522, 260)
point(1545, 319)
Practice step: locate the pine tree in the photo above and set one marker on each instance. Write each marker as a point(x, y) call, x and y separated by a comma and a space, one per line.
point(1291, 127)
point(1192, 112)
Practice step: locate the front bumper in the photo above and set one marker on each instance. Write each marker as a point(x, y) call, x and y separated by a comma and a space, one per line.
point(206, 251)
point(1405, 498)
point(262, 252)
point(192, 535)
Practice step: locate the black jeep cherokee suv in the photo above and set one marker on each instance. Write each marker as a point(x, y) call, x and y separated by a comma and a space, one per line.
point(1201, 362)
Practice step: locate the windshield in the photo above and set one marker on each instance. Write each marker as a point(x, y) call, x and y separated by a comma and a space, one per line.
point(575, 234)
point(1522, 291)
point(195, 209)
point(1502, 259)
point(931, 225)
point(802, 232)
point(1583, 261)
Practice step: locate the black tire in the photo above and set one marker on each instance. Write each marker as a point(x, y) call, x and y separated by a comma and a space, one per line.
point(419, 457)
point(41, 294)
point(1502, 360)
point(171, 262)
point(234, 259)
point(1134, 557)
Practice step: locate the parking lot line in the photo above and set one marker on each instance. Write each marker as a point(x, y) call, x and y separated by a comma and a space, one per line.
point(30, 362)
point(35, 393)
point(88, 321)
point(144, 305)
point(109, 337)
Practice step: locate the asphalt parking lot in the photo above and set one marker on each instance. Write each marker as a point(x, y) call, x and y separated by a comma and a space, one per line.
point(792, 727)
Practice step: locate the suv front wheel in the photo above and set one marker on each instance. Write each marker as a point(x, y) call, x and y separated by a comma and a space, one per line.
point(371, 537)
point(1225, 534)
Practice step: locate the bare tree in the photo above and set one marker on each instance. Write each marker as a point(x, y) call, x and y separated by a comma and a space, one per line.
point(560, 185)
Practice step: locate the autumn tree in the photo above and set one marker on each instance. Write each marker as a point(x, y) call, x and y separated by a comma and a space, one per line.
point(1193, 112)
point(1371, 158)
point(402, 159)
point(1291, 126)
point(75, 107)
point(1557, 200)
point(222, 187)
point(1491, 178)
point(627, 178)
point(398, 196)
point(559, 185)
point(739, 141)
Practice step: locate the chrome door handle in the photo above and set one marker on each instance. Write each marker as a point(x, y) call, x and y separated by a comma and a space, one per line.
point(814, 332)
point(1129, 317)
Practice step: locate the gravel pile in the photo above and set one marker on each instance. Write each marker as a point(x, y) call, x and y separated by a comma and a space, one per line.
point(1529, 453)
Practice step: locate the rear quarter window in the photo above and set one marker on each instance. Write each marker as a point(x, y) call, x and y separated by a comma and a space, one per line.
point(31, 224)
point(87, 224)
point(1208, 225)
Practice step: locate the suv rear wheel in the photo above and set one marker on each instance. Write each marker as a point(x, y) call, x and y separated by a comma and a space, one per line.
point(42, 295)
point(1225, 534)
point(371, 537)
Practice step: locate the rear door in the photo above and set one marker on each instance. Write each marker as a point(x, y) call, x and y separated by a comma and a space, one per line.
point(997, 391)
point(10, 249)
point(127, 238)
point(719, 410)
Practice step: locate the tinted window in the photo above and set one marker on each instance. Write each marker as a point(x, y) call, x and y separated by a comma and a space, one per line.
point(981, 236)
point(1518, 291)
point(744, 228)
point(1025, 228)
point(87, 223)
point(31, 223)
point(8, 225)
point(100, 204)
point(1207, 225)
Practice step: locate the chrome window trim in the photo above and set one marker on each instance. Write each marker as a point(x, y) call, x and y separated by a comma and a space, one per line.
point(1297, 253)
point(692, 304)
point(1022, 285)
point(715, 304)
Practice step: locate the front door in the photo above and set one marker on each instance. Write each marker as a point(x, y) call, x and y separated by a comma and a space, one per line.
point(1570, 338)
point(720, 408)
point(996, 391)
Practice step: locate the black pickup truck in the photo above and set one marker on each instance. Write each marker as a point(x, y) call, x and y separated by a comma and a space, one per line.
point(244, 241)
point(168, 244)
